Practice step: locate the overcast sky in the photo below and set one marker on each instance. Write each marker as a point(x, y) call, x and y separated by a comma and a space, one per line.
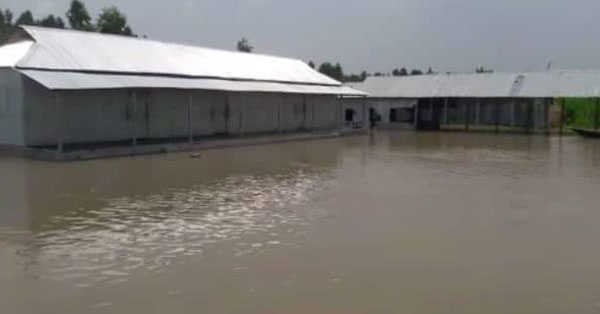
point(375, 35)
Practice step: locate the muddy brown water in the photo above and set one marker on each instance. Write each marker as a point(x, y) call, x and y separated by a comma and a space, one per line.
point(387, 223)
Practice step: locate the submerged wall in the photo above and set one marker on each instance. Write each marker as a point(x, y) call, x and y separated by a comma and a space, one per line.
point(11, 108)
point(109, 115)
point(519, 112)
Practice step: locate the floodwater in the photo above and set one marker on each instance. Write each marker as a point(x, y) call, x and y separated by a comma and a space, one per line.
point(387, 223)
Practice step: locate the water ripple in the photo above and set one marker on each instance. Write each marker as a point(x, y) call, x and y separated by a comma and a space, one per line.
point(147, 233)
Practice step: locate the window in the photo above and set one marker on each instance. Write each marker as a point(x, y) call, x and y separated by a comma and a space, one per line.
point(402, 115)
point(349, 115)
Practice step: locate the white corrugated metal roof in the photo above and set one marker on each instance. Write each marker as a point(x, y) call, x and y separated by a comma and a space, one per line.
point(527, 85)
point(111, 61)
point(73, 81)
point(12, 53)
point(562, 84)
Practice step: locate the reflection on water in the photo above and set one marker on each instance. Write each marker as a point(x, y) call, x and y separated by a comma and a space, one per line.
point(148, 232)
point(390, 222)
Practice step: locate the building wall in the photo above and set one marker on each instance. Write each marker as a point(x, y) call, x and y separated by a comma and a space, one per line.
point(383, 108)
point(108, 115)
point(361, 116)
point(531, 112)
point(11, 108)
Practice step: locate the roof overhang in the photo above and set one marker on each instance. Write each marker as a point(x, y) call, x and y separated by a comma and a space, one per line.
point(61, 80)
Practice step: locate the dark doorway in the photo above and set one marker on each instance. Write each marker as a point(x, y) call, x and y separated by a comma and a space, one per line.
point(349, 115)
point(374, 117)
point(429, 113)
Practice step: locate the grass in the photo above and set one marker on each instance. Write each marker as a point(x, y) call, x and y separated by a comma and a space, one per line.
point(581, 112)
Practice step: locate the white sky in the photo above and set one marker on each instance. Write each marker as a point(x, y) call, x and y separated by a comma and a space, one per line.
point(375, 35)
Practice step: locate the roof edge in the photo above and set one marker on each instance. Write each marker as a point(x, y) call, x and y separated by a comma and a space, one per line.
point(183, 76)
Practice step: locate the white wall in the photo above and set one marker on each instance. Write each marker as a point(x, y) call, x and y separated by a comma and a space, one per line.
point(11, 108)
point(383, 106)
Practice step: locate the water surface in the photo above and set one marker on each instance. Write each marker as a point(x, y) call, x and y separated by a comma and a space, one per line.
point(388, 223)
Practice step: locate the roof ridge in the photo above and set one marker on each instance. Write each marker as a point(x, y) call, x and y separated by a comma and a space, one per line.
point(151, 40)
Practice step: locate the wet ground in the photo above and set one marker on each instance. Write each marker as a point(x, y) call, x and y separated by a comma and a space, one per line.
point(388, 223)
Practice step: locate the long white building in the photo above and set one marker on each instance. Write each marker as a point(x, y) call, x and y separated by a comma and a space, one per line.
point(65, 90)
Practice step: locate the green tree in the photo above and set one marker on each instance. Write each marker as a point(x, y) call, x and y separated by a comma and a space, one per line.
point(8, 18)
point(2, 25)
point(483, 70)
point(52, 21)
point(78, 17)
point(363, 75)
point(311, 64)
point(26, 18)
point(400, 72)
point(416, 72)
point(6, 25)
point(333, 71)
point(112, 21)
point(243, 45)
point(430, 71)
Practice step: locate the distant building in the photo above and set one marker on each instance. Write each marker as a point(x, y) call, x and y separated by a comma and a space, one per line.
point(463, 101)
point(66, 91)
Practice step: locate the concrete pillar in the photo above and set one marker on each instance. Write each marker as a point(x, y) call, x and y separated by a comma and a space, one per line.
point(59, 128)
point(312, 115)
point(562, 117)
point(478, 112)
point(339, 114)
point(431, 117)
point(513, 110)
point(466, 114)
point(446, 111)
point(279, 127)
point(497, 116)
point(365, 113)
point(417, 115)
point(190, 118)
point(304, 112)
point(133, 120)
point(241, 118)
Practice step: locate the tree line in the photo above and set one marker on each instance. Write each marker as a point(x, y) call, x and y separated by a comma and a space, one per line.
point(336, 72)
point(109, 21)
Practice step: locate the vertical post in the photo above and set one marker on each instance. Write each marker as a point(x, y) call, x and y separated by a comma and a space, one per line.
point(562, 116)
point(133, 120)
point(497, 116)
point(339, 115)
point(446, 111)
point(241, 117)
point(547, 106)
point(431, 115)
point(312, 114)
point(530, 115)
point(596, 113)
point(59, 122)
point(467, 112)
point(304, 112)
point(513, 110)
point(478, 111)
point(279, 128)
point(190, 121)
point(417, 115)
point(366, 125)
